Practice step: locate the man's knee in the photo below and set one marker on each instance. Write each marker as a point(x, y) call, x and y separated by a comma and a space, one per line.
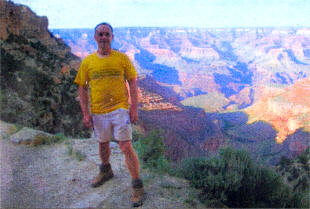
point(104, 145)
point(125, 146)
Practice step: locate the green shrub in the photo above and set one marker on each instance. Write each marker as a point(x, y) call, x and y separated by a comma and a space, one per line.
point(296, 172)
point(79, 156)
point(70, 149)
point(151, 151)
point(43, 139)
point(302, 199)
point(136, 136)
point(235, 180)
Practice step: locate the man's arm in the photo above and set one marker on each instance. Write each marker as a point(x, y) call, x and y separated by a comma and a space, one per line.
point(83, 97)
point(133, 111)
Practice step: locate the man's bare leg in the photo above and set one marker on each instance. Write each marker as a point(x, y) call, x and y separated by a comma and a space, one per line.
point(131, 158)
point(132, 163)
point(105, 168)
point(104, 152)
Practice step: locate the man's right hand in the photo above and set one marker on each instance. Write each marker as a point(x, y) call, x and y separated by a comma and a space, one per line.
point(83, 96)
point(87, 120)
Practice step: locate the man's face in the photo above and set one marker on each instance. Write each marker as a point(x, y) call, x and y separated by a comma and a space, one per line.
point(104, 36)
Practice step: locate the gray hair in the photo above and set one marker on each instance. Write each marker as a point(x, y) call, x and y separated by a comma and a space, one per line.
point(104, 23)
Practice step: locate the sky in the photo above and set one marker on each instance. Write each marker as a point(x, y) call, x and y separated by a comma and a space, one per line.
point(172, 13)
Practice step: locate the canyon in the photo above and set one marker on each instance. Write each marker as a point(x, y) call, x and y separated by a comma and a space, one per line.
point(206, 88)
point(214, 87)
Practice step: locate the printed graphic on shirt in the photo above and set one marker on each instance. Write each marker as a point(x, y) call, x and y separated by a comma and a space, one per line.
point(106, 73)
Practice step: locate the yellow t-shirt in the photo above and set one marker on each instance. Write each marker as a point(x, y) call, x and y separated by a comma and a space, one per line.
point(106, 77)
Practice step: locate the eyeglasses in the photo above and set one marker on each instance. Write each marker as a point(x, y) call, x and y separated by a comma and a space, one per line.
point(106, 34)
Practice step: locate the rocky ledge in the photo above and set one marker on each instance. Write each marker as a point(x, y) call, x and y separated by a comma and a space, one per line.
point(57, 174)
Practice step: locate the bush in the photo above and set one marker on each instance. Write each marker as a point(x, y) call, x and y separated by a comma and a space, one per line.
point(296, 172)
point(42, 139)
point(236, 181)
point(151, 151)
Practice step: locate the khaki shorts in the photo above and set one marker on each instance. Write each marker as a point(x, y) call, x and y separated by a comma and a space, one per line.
point(116, 123)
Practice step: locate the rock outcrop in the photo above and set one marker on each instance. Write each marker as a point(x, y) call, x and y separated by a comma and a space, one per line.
point(286, 109)
point(37, 72)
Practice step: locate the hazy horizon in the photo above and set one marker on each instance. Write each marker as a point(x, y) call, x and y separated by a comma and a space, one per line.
point(77, 14)
point(188, 27)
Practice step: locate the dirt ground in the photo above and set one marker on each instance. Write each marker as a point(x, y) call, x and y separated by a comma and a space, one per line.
point(47, 176)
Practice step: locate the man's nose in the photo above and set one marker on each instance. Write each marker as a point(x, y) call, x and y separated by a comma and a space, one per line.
point(104, 37)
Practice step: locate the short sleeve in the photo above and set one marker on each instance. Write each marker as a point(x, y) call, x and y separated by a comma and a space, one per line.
point(130, 71)
point(81, 77)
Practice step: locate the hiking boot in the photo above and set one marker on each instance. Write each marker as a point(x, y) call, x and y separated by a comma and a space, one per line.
point(138, 193)
point(104, 175)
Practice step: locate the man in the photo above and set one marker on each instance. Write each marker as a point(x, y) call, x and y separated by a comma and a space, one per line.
point(103, 74)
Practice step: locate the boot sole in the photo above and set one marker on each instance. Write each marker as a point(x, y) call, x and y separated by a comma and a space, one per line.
point(102, 181)
point(139, 203)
